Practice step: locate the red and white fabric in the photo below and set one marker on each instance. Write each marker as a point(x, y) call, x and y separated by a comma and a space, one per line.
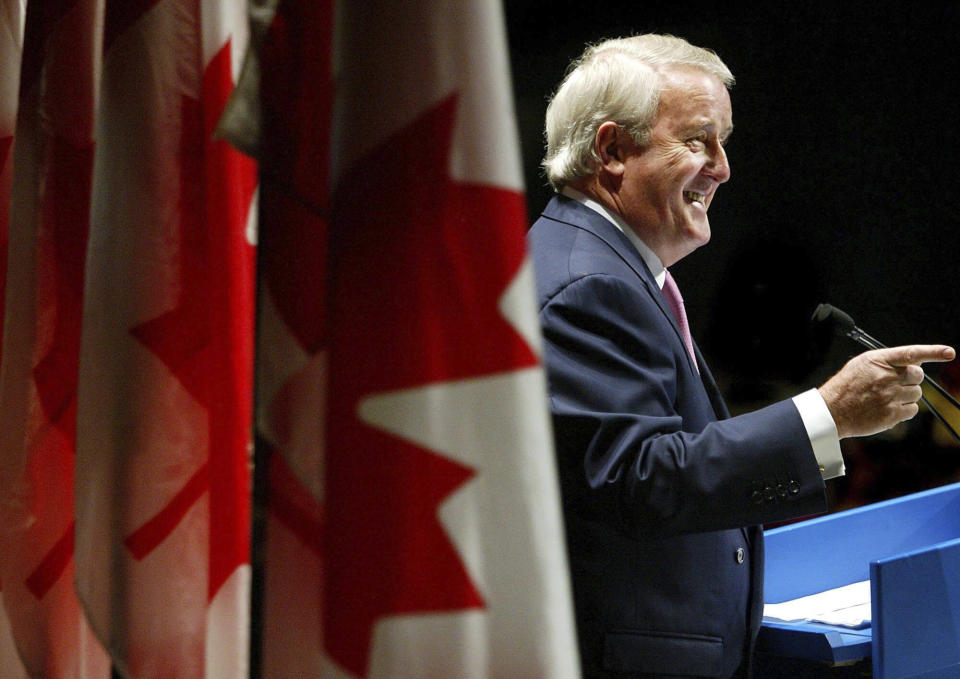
point(443, 550)
point(420, 515)
point(165, 388)
point(296, 96)
point(48, 228)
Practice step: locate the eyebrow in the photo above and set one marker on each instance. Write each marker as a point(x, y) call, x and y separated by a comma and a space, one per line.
point(724, 134)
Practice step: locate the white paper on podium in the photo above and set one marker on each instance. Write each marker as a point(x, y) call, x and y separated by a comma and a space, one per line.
point(847, 606)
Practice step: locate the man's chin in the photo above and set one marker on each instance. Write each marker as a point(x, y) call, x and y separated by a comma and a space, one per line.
point(698, 234)
point(693, 240)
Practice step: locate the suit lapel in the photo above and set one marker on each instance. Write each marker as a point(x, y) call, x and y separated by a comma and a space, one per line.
point(570, 211)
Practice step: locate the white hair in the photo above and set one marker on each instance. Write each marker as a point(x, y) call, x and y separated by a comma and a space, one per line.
point(617, 80)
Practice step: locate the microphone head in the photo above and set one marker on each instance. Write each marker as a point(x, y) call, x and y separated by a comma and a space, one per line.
point(840, 322)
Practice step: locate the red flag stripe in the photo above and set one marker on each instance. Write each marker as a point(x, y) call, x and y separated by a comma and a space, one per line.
point(54, 563)
point(146, 538)
point(230, 183)
point(293, 505)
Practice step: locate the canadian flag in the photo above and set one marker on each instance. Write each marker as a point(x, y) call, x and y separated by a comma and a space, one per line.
point(165, 389)
point(295, 98)
point(419, 521)
point(420, 516)
point(160, 544)
point(443, 549)
point(48, 227)
point(131, 237)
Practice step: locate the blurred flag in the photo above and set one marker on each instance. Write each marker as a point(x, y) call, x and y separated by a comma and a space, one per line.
point(429, 489)
point(443, 550)
point(165, 389)
point(432, 478)
point(11, 46)
point(293, 136)
point(48, 229)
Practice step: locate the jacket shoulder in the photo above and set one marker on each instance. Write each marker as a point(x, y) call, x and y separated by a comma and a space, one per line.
point(566, 251)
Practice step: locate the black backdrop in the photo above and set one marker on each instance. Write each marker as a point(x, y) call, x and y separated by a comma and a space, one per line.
point(845, 162)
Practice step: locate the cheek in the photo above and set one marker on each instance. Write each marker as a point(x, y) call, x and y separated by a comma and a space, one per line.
point(657, 183)
point(682, 165)
point(677, 169)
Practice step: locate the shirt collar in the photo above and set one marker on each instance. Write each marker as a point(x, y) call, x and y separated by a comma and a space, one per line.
point(649, 256)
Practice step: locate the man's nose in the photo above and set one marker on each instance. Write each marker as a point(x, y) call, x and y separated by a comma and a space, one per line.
point(719, 166)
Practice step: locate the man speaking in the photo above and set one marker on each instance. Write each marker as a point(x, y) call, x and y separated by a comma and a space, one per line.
point(663, 491)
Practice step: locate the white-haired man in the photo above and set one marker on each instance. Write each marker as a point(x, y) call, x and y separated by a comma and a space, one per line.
point(663, 491)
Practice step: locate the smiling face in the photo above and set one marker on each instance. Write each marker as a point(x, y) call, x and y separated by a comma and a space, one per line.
point(667, 184)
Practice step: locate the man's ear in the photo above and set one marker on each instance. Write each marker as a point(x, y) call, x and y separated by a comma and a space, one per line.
point(610, 145)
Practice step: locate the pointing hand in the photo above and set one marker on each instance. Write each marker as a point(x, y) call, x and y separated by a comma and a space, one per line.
point(879, 389)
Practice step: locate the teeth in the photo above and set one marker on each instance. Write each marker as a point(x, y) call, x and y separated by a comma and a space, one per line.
point(692, 195)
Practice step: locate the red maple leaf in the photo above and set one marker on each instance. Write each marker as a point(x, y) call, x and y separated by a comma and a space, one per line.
point(62, 244)
point(418, 263)
point(206, 341)
point(62, 241)
point(65, 213)
point(296, 99)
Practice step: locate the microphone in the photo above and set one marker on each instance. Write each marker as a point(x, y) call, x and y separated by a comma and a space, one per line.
point(842, 324)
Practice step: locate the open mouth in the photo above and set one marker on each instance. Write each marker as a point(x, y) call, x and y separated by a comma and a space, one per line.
point(694, 197)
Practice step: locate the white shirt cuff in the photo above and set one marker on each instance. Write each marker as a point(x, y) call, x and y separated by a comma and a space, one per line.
point(822, 431)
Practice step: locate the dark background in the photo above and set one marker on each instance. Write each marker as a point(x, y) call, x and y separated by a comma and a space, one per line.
point(845, 162)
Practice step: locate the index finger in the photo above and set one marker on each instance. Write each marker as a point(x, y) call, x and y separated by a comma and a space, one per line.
point(914, 354)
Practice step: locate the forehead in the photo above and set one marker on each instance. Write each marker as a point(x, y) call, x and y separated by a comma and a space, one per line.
point(690, 96)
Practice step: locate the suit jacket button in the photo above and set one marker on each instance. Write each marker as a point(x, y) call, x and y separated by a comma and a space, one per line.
point(782, 491)
point(794, 487)
point(770, 495)
point(740, 554)
point(756, 497)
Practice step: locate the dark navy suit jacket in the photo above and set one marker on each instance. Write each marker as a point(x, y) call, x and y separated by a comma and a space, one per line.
point(662, 490)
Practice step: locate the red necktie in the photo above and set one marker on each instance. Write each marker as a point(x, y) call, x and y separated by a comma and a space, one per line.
point(675, 300)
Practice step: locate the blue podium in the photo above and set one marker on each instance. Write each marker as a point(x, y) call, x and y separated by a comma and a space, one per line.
point(909, 549)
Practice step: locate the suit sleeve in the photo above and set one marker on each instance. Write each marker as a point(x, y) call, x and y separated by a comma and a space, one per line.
point(632, 436)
